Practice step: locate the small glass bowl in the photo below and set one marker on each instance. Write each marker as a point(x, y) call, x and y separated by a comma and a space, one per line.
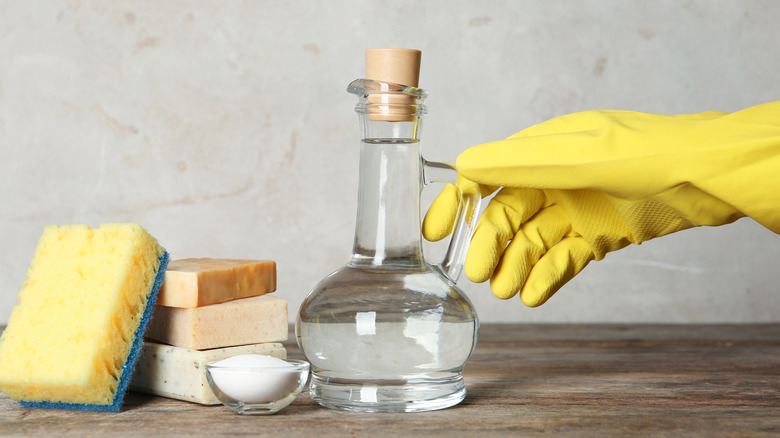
point(257, 390)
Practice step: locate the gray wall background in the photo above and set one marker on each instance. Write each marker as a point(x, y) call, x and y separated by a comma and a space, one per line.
point(224, 128)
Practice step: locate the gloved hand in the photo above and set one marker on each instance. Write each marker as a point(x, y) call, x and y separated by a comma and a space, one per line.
point(576, 187)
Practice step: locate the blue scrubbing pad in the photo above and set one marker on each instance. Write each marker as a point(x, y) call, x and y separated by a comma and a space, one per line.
point(102, 376)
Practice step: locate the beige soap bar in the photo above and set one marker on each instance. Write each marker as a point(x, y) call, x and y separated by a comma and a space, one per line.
point(176, 372)
point(193, 283)
point(253, 320)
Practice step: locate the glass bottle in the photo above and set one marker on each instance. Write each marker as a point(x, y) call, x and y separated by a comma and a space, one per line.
point(390, 332)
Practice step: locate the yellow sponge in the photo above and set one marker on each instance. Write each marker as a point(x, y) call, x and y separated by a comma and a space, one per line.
point(72, 340)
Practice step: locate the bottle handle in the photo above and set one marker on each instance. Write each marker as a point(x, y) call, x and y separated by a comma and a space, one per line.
point(465, 221)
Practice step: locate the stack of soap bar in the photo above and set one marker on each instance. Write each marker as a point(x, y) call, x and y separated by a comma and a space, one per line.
point(75, 336)
point(209, 309)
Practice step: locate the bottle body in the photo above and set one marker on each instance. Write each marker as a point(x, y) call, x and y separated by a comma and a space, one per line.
point(399, 347)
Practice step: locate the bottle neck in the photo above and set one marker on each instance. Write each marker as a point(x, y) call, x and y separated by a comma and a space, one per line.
point(387, 232)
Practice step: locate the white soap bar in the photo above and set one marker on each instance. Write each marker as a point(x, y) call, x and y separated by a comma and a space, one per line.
point(179, 373)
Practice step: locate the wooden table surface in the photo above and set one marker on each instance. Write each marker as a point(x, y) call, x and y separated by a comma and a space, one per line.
point(523, 380)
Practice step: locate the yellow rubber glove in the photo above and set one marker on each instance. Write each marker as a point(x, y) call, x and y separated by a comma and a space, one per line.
point(576, 187)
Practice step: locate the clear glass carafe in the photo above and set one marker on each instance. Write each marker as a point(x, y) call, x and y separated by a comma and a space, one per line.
point(390, 332)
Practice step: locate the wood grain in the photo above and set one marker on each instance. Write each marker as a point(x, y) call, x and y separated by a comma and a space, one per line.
point(523, 380)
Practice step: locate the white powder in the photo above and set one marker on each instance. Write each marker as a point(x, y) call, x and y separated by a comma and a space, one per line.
point(254, 378)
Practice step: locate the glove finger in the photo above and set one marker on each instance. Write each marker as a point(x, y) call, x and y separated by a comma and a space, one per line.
point(560, 264)
point(569, 161)
point(537, 235)
point(500, 221)
point(440, 217)
point(543, 161)
point(443, 212)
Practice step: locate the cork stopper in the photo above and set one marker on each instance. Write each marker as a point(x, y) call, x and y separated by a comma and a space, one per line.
point(398, 66)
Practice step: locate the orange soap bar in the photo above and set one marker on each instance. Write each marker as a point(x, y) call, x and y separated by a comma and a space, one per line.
point(191, 283)
point(255, 320)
